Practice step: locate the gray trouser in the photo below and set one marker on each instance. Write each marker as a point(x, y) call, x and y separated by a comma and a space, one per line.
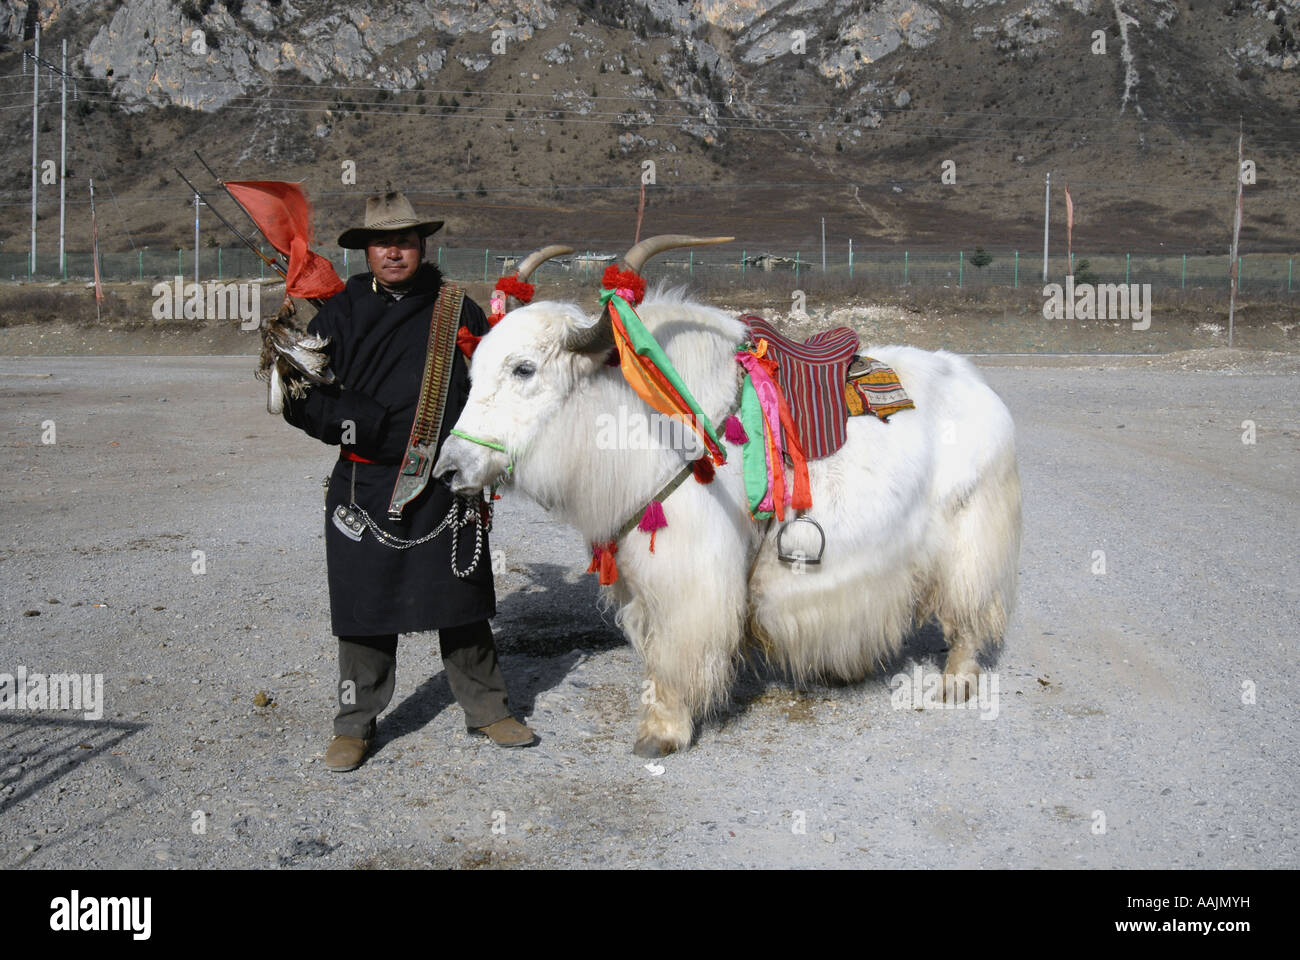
point(469, 657)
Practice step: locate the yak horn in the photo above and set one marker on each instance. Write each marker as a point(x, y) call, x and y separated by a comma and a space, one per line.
point(532, 262)
point(636, 258)
point(600, 335)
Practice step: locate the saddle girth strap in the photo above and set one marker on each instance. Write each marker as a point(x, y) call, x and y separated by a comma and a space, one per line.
point(423, 445)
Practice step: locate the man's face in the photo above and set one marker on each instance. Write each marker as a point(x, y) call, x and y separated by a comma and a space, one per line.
point(394, 257)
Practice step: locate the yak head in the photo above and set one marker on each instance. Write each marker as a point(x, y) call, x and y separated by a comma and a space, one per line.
point(525, 372)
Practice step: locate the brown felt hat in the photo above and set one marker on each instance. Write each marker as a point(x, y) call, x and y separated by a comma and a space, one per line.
point(386, 212)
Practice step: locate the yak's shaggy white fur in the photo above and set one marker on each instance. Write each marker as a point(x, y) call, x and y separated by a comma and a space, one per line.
point(921, 514)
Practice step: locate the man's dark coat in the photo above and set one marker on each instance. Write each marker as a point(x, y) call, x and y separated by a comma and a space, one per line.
point(377, 349)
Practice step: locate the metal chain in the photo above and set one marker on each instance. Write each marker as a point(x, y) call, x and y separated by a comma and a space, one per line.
point(473, 514)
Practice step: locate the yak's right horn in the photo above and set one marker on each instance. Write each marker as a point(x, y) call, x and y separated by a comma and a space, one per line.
point(600, 335)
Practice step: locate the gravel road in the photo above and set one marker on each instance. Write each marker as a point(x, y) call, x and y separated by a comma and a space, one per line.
point(1152, 699)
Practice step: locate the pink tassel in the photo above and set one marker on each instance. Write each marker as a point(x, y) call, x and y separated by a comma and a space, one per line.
point(652, 521)
point(734, 431)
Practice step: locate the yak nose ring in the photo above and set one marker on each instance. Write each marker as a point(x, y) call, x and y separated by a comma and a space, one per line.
point(793, 557)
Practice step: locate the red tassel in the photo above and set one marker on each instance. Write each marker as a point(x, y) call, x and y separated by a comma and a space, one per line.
point(703, 470)
point(652, 521)
point(734, 431)
point(467, 342)
point(603, 562)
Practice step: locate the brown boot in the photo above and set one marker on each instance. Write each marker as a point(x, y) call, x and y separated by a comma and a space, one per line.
point(345, 753)
point(507, 732)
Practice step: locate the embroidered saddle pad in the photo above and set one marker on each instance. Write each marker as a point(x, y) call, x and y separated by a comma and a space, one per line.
point(874, 388)
point(812, 375)
point(825, 382)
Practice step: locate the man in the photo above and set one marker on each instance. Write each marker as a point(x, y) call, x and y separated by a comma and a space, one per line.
point(379, 339)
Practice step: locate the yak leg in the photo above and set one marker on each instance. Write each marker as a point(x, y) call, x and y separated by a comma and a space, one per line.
point(961, 670)
point(665, 725)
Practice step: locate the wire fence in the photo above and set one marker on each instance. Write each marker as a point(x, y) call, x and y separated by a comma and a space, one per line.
point(975, 269)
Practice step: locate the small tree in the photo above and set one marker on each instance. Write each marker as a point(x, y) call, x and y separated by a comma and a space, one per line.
point(1083, 273)
point(981, 258)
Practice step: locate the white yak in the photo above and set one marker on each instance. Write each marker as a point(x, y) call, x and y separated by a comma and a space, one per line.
point(921, 514)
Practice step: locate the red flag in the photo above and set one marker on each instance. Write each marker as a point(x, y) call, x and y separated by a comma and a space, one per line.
point(282, 213)
point(94, 246)
point(1069, 229)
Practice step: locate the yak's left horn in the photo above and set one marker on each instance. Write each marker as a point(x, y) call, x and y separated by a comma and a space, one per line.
point(532, 262)
point(636, 258)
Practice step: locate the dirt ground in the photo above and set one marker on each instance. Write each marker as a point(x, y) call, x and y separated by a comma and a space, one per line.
point(1145, 712)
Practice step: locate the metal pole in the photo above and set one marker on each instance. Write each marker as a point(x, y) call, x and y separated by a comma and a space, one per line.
point(692, 268)
point(796, 266)
point(1236, 230)
point(485, 264)
point(196, 237)
point(1184, 286)
point(63, 161)
point(850, 258)
point(823, 244)
point(904, 268)
point(961, 266)
point(1047, 215)
point(36, 89)
point(1015, 283)
point(1127, 257)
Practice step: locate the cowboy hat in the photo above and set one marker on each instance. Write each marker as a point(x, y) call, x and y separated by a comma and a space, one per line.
point(385, 212)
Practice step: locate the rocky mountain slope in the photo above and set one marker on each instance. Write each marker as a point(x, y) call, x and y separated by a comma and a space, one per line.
point(900, 122)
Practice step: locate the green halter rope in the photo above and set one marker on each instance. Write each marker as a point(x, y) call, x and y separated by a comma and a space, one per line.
point(510, 467)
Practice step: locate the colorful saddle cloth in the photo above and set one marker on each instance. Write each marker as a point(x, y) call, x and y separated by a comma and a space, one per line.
point(812, 375)
point(825, 382)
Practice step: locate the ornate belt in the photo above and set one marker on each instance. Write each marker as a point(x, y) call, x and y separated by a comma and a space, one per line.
point(422, 448)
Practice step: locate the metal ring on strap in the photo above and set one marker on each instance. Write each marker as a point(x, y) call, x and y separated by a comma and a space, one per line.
point(792, 558)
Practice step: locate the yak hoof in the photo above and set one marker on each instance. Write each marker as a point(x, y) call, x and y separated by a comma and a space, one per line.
point(959, 685)
point(651, 747)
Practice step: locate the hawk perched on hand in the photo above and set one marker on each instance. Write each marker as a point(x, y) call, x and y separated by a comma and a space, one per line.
point(291, 359)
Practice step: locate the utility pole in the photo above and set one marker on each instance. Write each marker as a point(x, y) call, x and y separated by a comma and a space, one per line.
point(1047, 214)
point(63, 162)
point(36, 91)
point(196, 238)
point(1236, 229)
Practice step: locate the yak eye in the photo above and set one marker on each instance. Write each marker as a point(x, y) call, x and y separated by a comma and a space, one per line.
point(524, 370)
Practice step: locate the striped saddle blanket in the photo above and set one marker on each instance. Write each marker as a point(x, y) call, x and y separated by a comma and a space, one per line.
point(825, 382)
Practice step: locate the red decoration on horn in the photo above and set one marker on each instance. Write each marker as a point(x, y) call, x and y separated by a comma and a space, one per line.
point(512, 286)
point(614, 278)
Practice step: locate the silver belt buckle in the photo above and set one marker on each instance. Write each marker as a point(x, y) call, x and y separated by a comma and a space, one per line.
point(348, 522)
